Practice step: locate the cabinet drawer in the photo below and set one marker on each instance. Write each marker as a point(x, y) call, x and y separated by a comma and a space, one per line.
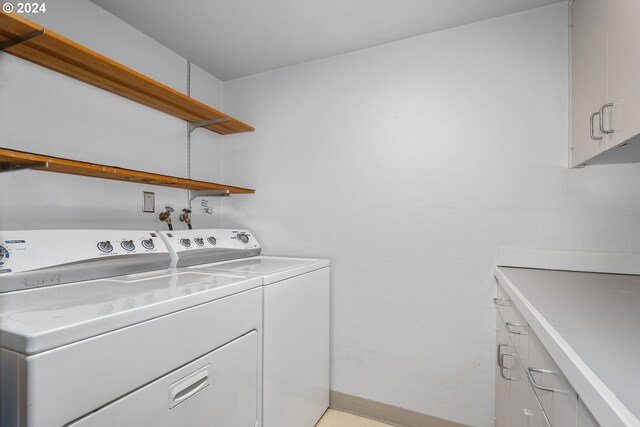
point(557, 397)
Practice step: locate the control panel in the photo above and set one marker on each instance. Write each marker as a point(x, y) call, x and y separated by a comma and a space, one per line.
point(191, 247)
point(58, 253)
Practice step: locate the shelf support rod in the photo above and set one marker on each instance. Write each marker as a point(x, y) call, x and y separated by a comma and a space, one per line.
point(195, 125)
point(208, 193)
point(13, 42)
point(9, 167)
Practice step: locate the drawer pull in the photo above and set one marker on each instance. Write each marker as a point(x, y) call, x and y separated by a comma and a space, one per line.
point(502, 366)
point(533, 382)
point(509, 325)
point(501, 302)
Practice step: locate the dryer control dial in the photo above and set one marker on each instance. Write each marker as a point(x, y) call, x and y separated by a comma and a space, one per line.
point(4, 253)
point(185, 242)
point(212, 240)
point(128, 245)
point(199, 241)
point(148, 244)
point(243, 238)
point(105, 246)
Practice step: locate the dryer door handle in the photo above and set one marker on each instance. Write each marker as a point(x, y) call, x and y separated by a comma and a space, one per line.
point(188, 386)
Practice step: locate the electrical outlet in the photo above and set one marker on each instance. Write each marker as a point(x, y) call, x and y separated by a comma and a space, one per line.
point(148, 201)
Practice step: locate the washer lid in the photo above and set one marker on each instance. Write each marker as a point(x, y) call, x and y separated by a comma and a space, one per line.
point(40, 319)
point(271, 269)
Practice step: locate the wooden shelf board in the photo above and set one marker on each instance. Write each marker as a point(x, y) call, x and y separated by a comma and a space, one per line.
point(73, 167)
point(64, 56)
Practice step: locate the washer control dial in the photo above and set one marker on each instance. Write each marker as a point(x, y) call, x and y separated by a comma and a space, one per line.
point(105, 246)
point(148, 244)
point(211, 240)
point(4, 253)
point(128, 245)
point(243, 238)
point(185, 242)
point(199, 241)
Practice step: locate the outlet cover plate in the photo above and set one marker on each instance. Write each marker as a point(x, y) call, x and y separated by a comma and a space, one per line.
point(148, 201)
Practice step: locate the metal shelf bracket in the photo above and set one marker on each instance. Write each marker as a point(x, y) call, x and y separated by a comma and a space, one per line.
point(208, 193)
point(195, 125)
point(9, 167)
point(13, 42)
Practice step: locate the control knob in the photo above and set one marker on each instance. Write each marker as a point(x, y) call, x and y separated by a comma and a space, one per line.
point(199, 241)
point(148, 244)
point(243, 238)
point(105, 246)
point(211, 240)
point(128, 245)
point(4, 253)
point(185, 242)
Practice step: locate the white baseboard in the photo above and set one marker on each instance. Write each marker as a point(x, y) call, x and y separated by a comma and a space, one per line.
point(385, 413)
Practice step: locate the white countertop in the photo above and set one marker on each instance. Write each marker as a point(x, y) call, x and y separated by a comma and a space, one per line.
point(590, 324)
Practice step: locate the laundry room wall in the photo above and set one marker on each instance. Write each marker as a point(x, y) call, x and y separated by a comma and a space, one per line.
point(408, 164)
point(47, 113)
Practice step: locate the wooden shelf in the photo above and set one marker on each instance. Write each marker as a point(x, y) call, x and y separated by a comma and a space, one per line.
point(11, 159)
point(64, 56)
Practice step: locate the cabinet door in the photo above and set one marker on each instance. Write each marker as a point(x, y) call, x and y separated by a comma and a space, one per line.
point(518, 394)
point(502, 383)
point(623, 69)
point(515, 325)
point(555, 393)
point(524, 408)
point(585, 419)
point(588, 77)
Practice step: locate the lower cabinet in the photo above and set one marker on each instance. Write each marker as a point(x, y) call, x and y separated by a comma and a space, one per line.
point(585, 419)
point(503, 350)
point(531, 391)
point(516, 403)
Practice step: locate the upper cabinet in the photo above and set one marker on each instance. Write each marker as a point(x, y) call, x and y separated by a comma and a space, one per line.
point(29, 41)
point(605, 90)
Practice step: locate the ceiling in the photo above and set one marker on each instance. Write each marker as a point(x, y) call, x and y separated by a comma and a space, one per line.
point(235, 38)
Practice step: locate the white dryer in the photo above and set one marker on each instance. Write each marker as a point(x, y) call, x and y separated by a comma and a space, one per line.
point(148, 348)
point(295, 312)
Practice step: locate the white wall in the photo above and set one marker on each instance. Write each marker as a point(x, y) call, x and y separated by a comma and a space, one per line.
point(47, 113)
point(408, 165)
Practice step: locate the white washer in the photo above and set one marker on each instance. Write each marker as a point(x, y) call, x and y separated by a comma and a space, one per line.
point(296, 318)
point(155, 348)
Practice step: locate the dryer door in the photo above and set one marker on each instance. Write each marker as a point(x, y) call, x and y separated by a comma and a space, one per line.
point(219, 388)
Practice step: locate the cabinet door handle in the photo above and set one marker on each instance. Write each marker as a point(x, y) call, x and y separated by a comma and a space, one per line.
point(602, 129)
point(499, 354)
point(533, 382)
point(500, 301)
point(593, 135)
point(509, 325)
point(502, 366)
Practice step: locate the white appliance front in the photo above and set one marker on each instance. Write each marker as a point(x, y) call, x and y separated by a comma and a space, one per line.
point(216, 389)
point(69, 350)
point(296, 319)
point(296, 335)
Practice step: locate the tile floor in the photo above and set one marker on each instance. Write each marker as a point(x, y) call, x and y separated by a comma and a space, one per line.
point(333, 418)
